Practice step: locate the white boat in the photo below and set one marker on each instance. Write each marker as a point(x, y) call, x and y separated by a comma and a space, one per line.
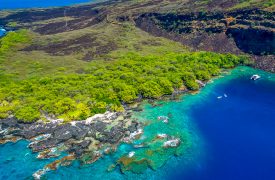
point(255, 77)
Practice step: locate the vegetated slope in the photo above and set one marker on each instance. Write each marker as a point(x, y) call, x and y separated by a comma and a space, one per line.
point(104, 30)
point(106, 86)
point(73, 62)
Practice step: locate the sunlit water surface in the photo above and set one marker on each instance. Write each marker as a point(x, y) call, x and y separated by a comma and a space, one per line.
point(232, 127)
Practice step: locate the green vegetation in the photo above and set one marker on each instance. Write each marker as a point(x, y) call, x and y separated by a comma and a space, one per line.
point(128, 38)
point(40, 86)
point(254, 3)
point(35, 85)
point(105, 86)
point(12, 24)
point(12, 40)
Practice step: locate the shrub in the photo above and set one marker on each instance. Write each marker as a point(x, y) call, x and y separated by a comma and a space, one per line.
point(106, 86)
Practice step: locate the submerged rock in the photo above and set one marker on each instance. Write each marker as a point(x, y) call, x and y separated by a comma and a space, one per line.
point(63, 162)
point(9, 139)
point(162, 136)
point(131, 154)
point(50, 153)
point(164, 119)
point(133, 164)
point(134, 135)
point(37, 175)
point(172, 143)
point(90, 157)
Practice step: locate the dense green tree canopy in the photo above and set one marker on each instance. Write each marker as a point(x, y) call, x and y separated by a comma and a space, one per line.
point(105, 86)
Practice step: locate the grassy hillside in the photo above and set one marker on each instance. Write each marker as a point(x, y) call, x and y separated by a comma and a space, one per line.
point(72, 63)
point(68, 58)
point(105, 86)
point(265, 4)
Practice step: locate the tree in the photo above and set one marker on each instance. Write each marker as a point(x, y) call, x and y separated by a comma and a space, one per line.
point(27, 114)
point(150, 89)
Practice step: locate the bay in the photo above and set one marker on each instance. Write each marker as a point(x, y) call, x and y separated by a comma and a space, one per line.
point(231, 125)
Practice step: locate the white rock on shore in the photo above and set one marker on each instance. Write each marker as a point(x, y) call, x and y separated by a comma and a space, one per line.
point(107, 115)
point(136, 133)
point(133, 136)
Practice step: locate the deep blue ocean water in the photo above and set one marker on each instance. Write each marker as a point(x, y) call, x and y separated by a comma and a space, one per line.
point(232, 121)
point(238, 129)
point(20, 4)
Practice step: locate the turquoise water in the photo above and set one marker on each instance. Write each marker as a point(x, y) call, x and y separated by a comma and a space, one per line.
point(2, 32)
point(230, 125)
point(20, 4)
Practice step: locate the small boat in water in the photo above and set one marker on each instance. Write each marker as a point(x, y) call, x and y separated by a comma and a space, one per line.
point(219, 97)
point(255, 77)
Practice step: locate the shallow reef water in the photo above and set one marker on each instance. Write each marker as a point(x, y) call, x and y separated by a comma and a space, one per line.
point(225, 131)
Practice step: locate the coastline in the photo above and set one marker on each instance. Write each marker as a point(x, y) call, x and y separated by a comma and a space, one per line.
point(148, 134)
point(76, 138)
point(100, 134)
point(82, 139)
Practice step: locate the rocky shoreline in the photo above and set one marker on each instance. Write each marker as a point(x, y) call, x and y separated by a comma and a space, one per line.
point(108, 128)
point(85, 140)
